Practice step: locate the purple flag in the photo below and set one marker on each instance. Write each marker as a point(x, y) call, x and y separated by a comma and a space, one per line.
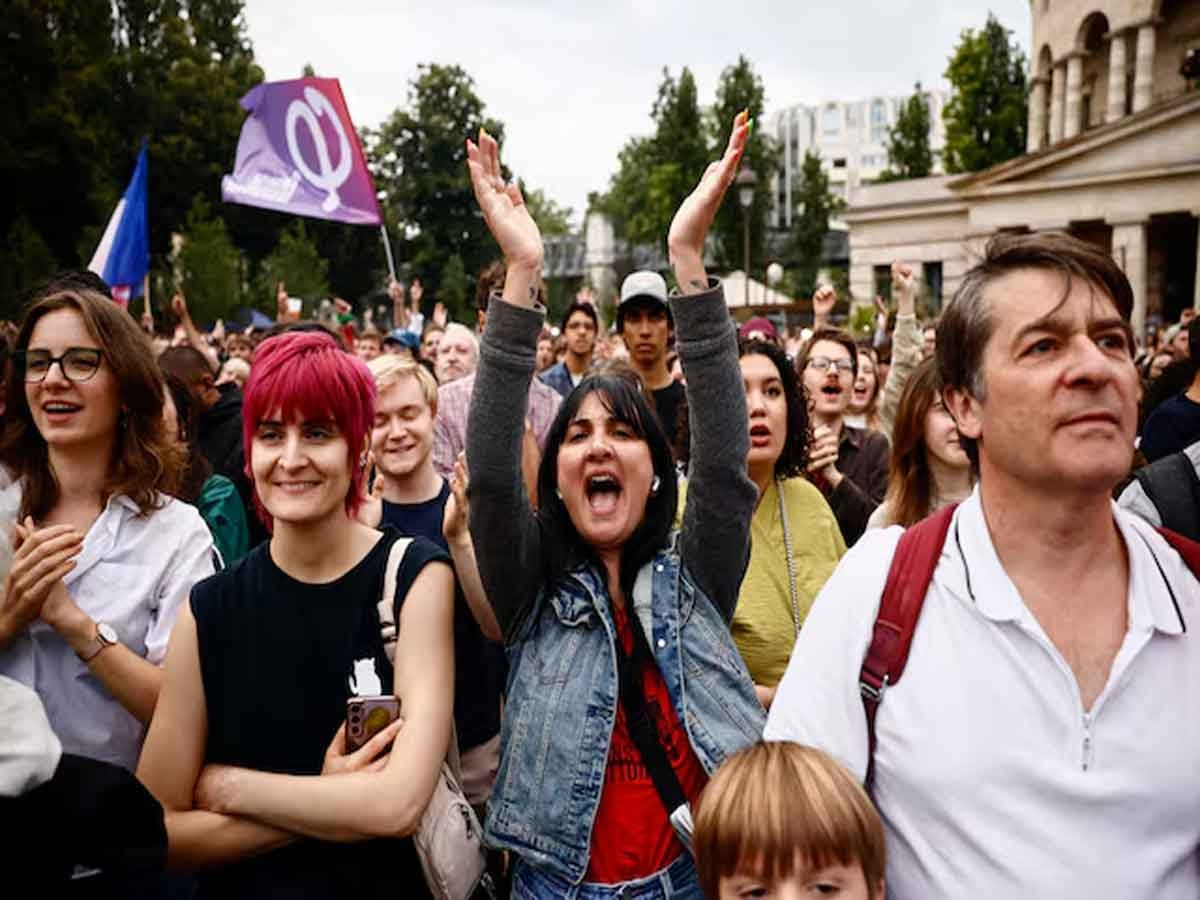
point(299, 153)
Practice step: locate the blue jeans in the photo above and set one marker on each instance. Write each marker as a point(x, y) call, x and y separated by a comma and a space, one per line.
point(676, 882)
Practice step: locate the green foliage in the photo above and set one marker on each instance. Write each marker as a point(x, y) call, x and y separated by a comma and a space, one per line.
point(550, 217)
point(419, 160)
point(25, 262)
point(654, 174)
point(810, 223)
point(455, 289)
point(297, 263)
point(210, 267)
point(740, 88)
point(986, 116)
point(909, 155)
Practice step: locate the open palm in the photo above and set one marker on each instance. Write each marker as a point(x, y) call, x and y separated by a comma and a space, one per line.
point(695, 215)
point(502, 205)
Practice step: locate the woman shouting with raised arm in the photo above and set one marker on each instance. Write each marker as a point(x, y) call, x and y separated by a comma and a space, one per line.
point(625, 690)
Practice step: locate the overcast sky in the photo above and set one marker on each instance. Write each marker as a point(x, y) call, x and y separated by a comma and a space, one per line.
point(572, 81)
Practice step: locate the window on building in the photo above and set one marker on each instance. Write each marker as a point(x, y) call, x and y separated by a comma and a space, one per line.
point(839, 162)
point(883, 282)
point(831, 121)
point(933, 285)
point(878, 122)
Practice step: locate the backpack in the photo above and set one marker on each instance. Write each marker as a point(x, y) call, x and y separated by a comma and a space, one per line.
point(1172, 485)
point(904, 592)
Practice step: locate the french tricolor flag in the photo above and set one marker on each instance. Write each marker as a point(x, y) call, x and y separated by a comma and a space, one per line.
point(123, 257)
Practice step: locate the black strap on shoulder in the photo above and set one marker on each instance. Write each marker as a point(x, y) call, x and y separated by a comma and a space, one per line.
point(1173, 487)
point(641, 725)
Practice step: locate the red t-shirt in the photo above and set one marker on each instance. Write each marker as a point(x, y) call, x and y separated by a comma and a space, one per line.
point(632, 837)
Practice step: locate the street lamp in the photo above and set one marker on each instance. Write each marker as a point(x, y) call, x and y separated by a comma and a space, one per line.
point(745, 181)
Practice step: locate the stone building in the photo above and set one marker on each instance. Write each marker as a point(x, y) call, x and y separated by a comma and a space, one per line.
point(1113, 157)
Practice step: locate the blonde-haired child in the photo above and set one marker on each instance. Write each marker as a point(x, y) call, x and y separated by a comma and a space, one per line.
point(784, 820)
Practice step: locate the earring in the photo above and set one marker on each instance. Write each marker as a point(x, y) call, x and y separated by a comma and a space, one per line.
point(654, 486)
point(558, 493)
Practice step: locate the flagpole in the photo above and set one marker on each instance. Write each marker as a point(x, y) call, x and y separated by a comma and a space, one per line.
point(387, 248)
point(146, 292)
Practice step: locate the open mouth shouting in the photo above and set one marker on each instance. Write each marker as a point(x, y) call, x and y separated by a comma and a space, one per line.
point(603, 491)
point(760, 435)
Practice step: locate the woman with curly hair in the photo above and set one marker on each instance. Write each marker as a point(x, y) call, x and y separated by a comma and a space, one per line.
point(795, 541)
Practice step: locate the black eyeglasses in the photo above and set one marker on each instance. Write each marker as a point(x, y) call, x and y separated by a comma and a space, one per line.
point(76, 364)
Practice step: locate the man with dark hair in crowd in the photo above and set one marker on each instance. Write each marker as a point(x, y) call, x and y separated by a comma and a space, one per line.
point(1176, 422)
point(1043, 739)
point(454, 398)
point(580, 325)
point(645, 324)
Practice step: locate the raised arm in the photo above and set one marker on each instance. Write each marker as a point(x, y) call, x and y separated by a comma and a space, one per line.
point(506, 534)
point(906, 344)
point(716, 521)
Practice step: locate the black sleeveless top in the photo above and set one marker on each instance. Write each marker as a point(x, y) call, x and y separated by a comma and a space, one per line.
point(276, 656)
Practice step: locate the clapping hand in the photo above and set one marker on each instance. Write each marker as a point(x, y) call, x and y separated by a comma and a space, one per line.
point(689, 228)
point(823, 454)
point(507, 218)
point(34, 585)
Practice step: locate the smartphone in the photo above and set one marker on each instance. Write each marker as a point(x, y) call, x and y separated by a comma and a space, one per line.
point(366, 717)
point(295, 304)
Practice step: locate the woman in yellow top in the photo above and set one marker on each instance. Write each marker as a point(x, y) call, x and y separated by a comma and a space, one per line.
point(779, 586)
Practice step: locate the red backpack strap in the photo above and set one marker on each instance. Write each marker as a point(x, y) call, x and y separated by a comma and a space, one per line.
point(908, 580)
point(1185, 547)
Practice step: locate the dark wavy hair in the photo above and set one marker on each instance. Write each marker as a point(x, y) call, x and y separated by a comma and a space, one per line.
point(197, 469)
point(623, 399)
point(145, 463)
point(793, 459)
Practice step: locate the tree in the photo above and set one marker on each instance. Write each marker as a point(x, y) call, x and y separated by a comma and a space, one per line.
point(815, 205)
point(740, 88)
point(455, 289)
point(295, 262)
point(986, 115)
point(654, 174)
point(550, 217)
point(419, 159)
point(909, 155)
point(25, 262)
point(210, 267)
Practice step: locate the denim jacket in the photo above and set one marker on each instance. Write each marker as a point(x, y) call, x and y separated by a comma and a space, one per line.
point(562, 686)
point(563, 697)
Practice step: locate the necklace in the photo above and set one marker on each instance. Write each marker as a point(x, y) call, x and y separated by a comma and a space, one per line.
point(791, 559)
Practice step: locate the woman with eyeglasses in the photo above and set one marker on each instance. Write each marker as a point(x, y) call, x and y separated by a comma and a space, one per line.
point(848, 464)
point(103, 555)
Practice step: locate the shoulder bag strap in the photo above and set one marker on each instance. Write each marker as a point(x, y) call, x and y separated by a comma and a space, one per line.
point(389, 626)
point(1173, 488)
point(899, 609)
point(643, 733)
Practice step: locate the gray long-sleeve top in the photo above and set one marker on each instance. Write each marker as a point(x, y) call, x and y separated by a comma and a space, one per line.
point(715, 539)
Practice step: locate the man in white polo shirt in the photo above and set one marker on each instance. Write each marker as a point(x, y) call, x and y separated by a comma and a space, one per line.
point(1044, 740)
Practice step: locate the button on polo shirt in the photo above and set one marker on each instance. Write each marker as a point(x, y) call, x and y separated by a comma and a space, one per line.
point(991, 779)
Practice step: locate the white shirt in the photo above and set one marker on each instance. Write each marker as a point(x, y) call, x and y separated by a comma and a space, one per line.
point(133, 573)
point(991, 780)
point(29, 751)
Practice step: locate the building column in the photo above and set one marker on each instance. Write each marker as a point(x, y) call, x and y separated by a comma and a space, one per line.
point(1129, 250)
point(1074, 106)
point(1143, 78)
point(1196, 291)
point(1035, 136)
point(1115, 107)
point(1057, 96)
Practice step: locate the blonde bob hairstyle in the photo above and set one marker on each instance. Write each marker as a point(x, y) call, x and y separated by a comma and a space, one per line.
point(388, 368)
point(777, 806)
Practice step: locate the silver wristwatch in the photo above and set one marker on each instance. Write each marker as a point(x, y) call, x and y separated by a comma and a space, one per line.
point(105, 636)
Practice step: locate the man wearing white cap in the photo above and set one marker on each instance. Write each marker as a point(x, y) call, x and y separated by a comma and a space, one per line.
point(644, 323)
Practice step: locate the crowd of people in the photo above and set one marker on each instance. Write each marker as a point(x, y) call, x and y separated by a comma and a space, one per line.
point(639, 598)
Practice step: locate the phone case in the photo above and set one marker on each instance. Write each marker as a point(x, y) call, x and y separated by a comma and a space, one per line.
point(366, 717)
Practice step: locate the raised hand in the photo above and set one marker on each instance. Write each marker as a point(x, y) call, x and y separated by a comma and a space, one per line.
point(503, 207)
point(370, 510)
point(904, 288)
point(440, 317)
point(454, 521)
point(689, 228)
point(822, 302)
point(179, 307)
